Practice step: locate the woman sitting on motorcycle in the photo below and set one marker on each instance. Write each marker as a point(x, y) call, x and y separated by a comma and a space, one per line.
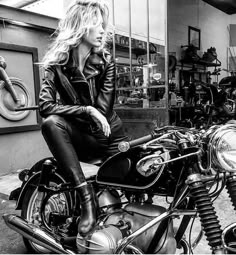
point(77, 97)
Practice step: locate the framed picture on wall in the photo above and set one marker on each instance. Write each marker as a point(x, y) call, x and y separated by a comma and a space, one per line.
point(19, 95)
point(194, 37)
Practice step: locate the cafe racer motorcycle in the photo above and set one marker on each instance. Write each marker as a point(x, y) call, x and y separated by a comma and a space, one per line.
point(189, 167)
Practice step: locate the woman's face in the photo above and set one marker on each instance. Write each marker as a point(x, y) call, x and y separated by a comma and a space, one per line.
point(95, 36)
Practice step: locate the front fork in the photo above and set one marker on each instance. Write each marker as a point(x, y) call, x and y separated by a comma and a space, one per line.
point(206, 211)
point(229, 233)
point(231, 188)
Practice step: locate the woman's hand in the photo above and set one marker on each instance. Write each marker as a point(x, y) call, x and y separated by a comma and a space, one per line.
point(99, 119)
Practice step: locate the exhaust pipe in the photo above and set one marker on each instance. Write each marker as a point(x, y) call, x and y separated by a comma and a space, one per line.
point(34, 233)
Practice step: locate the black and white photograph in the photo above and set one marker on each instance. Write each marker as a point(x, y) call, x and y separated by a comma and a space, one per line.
point(118, 127)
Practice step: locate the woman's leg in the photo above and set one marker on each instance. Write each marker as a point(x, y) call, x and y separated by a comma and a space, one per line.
point(59, 135)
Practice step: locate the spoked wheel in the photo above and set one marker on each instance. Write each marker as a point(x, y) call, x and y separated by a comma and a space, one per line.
point(60, 203)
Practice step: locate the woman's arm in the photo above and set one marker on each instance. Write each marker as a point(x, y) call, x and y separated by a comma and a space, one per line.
point(48, 103)
point(106, 96)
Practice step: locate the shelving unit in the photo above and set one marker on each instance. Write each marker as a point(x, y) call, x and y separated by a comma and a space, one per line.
point(195, 71)
point(191, 75)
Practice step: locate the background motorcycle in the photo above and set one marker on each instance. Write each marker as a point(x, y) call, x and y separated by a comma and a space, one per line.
point(189, 166)
point(214, 104)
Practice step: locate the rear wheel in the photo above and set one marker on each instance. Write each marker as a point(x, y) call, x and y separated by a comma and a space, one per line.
point(60, 203)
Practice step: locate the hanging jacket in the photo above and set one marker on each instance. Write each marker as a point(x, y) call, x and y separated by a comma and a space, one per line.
point(66, 90)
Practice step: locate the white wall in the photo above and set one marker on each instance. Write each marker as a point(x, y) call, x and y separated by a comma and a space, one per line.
point(232, 50)
point(21, 150)
point(212, 22)
point(24, 149)
point(52, 8)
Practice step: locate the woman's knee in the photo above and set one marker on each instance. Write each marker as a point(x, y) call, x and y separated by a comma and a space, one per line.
point(51, 123)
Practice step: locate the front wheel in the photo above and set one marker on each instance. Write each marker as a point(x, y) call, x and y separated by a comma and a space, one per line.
point(60, 203)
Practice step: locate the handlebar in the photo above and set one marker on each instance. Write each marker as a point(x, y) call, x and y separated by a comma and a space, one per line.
point(125, 146)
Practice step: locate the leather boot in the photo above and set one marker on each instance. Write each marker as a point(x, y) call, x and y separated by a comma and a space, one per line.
point(88, 202)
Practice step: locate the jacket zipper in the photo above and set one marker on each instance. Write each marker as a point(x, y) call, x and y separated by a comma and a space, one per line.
point(91, 84)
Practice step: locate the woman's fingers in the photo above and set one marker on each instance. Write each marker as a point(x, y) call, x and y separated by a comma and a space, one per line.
point(106, 129)
point(103, 125)
point(100, 120)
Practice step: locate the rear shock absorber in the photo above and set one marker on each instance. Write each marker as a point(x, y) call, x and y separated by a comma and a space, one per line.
point(206, 211)
point(231, 188)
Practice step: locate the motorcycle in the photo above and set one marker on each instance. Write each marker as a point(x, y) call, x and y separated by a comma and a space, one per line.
point(188, 166)
point(214, 104)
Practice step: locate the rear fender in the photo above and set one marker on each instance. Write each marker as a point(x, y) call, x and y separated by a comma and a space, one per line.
point(33, 176)
point(25, 186)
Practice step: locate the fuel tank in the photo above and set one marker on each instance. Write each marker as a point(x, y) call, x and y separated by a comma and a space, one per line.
point(141, 169)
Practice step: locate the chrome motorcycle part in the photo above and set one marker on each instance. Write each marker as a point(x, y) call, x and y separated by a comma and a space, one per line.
point(231, 188)
point(31, 208)
point(129, 239)
point(184, 246)
point(36, 235)
point(151, 164)
point(222, 148)
point(123, 146)
point(207, 214)
point(144, 221)
point(131, 249)
point(103, 241)
point(107, 198)
point(229, 238)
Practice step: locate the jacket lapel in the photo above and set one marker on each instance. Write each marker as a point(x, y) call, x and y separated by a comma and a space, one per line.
point(72, 77)
point(93, 66)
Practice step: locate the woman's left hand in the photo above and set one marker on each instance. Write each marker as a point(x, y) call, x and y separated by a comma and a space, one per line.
point(100, 120)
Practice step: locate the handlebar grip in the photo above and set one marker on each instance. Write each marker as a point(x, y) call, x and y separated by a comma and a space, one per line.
point(125, 146)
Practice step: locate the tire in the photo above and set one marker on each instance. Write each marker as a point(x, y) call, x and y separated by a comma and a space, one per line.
point(61, 203)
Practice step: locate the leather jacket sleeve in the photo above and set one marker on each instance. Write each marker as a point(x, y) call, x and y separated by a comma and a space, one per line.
point(48, 103)
point(106, 96)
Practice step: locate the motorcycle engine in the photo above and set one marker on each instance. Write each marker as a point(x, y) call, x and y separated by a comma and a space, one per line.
point(121, 222)
point(102, 241)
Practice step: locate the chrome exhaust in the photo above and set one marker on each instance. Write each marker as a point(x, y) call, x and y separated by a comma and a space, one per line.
point(34, 233)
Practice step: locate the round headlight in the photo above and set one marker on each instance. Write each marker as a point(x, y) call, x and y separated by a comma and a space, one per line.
point(222, 148)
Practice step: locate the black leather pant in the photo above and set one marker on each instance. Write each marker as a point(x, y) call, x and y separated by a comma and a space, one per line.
point(70, 144)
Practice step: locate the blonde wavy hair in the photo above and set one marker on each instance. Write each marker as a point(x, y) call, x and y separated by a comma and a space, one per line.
point(79, 18)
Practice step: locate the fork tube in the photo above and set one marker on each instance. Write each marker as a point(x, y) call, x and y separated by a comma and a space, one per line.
point(184, 223)
point(182, 194)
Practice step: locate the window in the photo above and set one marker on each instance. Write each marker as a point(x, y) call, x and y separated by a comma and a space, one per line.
point(139, 49)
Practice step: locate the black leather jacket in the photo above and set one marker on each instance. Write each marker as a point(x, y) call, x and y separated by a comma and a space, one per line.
point(66, 90)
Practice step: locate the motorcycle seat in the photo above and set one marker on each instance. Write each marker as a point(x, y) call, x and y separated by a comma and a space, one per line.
point(95, 161)
point(89, 169)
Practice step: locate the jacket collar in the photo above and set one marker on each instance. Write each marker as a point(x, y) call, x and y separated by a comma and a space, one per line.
point(93, 65)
